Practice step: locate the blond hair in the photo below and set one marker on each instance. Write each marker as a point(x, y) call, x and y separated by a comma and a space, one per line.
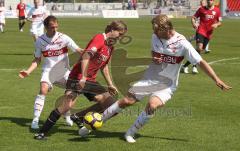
point(162, 23)
point(117, 25)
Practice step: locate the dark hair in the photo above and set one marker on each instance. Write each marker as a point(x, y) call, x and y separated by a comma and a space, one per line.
point(117, 25)
point(48, 20)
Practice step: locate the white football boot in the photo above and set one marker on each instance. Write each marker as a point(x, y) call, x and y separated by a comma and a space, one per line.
point(129, 138)
point(184, 69)
point(83, 132)
point(194, 70)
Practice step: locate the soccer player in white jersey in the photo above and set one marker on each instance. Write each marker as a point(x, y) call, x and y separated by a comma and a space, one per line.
point(2, 16)
point(37, 14)
point(160, 80)
point(53, 46)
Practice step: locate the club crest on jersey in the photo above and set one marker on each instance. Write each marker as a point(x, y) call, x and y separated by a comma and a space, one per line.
point(213, 12)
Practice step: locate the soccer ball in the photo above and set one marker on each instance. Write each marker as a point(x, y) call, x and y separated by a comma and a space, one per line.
point(93, 120)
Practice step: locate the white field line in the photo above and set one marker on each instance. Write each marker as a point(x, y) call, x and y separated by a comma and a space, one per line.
point(5, 69)
point(212, 62)
point(222, 60)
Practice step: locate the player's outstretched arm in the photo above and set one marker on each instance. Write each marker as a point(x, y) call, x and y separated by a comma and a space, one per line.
point(193, 21)
point(84, 67)
point(210, 72)
point(32, 67)
point(80, 50)
point(111, 88)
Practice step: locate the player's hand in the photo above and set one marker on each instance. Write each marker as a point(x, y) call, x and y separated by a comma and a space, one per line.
point(157, 60)
point(214, 26)
point(23, 74)
point(195, 26)
point(222, 85)
point(112, 90)
point(82, 82)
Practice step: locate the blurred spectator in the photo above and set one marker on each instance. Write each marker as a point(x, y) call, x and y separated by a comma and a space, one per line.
point(134, 4)
point(129, 7)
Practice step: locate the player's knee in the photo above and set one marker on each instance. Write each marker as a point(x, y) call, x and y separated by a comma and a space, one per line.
point(154, 104)
point(127, 101)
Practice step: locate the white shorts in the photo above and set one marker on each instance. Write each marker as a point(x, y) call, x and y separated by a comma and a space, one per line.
point(2, 20)
point(59, 81)
point(152, 88)
point(37, 29)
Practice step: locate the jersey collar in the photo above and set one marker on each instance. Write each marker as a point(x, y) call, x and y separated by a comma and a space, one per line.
point(104, 35)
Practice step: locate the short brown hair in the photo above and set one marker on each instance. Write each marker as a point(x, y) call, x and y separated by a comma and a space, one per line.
point(162, 22)
point(48, 20)
point(117, 25)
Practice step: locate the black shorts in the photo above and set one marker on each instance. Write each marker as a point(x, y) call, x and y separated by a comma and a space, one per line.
point(90, 90)
point(21, 17)
point(201, 39)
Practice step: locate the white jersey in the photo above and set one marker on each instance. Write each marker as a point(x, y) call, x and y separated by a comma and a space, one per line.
point(2, 11)
point(172, 52)
point(54, 50)
point(37, 14)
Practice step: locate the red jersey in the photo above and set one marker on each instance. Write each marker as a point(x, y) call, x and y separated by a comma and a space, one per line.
point(100, 54)
point(207, 18)
point(21, 7)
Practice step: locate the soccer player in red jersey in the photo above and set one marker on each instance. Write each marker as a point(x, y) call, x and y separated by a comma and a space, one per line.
point(210, 19)
point(82, 78)
point(21, 15)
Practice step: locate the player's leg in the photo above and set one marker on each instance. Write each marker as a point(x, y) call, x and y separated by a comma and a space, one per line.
point(200, 48)
point(2, 24)
point(94, 91)
point(39, 104)
point(19, 23)
point(65, 104)
point(68, 101)
point(111, 111)
point(62, 84)
point(206, 45)
point(22, 22)
point(34, 31)
point(1, 27)
point(158, 99)
point(143, 118)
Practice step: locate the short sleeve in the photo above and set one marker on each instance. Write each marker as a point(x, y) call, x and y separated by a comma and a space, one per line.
point(30, 13)
point(95, 44)
point(190, 53)
point(198, 12)
point(38, 50)
point(71, 44)
point(155, 42)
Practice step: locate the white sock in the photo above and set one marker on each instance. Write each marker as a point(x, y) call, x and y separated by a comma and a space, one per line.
point(67, 115)
point(142, 119)
point(207, 47)
point(110, 111)
point(38, 106)
point(1, 28)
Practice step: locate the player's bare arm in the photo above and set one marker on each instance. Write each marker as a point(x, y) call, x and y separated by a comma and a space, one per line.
point(156, 59)
point(193, 21)
point(32, 67)
point(79, 50)
point(111, 88)
point(210, 72)
point(84, 66)
point(216, 25)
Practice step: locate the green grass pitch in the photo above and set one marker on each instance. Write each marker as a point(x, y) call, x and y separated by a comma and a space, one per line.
point(199, 117)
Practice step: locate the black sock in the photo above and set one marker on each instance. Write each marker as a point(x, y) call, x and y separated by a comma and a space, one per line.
point(19, 26)
point(186, 64)
point(52, 119)
point(22, 25)
point(194, 65)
